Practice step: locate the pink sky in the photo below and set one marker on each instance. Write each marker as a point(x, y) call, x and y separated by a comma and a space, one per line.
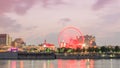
point(36, 20)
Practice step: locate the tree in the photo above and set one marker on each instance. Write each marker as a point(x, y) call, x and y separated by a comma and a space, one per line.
point(48, 50)
point(78, 50)
point(69, 50)
point(90, 49)
point(103, 49)
point(96, 49)
point(117, 49)
point(83, 50)
point(62, 50)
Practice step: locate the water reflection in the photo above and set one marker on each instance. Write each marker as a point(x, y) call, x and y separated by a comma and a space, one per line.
point(32, 63)
point(48, 64)
point(87, 63)
point(21, 64)
point(83, 63)
point(13, 64)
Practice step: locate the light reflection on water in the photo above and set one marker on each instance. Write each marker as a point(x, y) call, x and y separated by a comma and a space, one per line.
point(83, 63)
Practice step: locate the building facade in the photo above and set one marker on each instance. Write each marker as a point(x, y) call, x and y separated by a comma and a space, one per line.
point(19, 42)
point(5, 39)
point(90, 40)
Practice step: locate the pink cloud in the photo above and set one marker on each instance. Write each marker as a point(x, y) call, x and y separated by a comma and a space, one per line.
point(64, 21)
point(19, 6)
point(101, 4)
point(47, 3)
point(23, 5)
point(7, 24)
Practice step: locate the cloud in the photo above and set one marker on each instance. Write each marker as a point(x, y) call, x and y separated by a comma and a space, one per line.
point(48, 3)
point(101, 4)
point(21, 6)
point(64, 21)
point(8, 24)
point(31, 28)
point(18, 6)
point(110, 22)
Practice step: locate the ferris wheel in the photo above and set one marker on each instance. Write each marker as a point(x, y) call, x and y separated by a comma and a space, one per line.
point(70, 37)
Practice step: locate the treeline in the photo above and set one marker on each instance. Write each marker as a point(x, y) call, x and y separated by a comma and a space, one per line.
point(102, 49)
point(95, 49)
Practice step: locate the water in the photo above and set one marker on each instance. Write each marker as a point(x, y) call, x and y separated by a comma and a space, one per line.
point(83, 63)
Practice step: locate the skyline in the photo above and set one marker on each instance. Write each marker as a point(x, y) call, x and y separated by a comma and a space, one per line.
point(39, 20)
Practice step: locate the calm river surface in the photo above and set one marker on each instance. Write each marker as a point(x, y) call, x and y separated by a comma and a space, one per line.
point(83, 63)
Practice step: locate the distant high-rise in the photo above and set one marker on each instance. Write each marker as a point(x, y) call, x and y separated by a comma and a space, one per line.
point(5, 39)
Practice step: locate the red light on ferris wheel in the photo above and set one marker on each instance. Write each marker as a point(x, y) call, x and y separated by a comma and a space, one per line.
point(72, 38)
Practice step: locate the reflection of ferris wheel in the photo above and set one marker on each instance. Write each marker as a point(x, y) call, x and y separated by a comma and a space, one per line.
point(71, 36)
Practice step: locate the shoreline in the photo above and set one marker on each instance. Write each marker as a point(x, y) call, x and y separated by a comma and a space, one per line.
point(49, 56)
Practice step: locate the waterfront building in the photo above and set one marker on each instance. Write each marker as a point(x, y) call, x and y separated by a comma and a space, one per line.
point(63, 44)
point(89, 40)
point(19, 42)
point(48, 45)
point(5, 39)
